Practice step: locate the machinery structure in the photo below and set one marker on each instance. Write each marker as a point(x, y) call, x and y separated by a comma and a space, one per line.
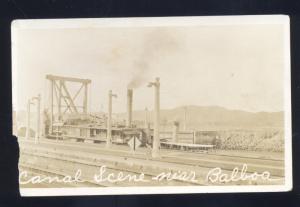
point(122, 146)
point(72, 121)
point(59, 92)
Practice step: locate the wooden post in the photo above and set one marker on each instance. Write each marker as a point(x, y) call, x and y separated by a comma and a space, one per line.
point(37, 134)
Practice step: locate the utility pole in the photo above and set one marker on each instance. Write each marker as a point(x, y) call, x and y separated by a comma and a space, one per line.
point(51, 107)
point(38, 119)
point(156, 138)
point(184, 123)
point(28, 119)
point(175, 131)
point(109, 120)
point(146, 124)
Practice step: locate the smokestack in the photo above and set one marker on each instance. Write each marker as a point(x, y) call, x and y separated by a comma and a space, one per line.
point(129, 107)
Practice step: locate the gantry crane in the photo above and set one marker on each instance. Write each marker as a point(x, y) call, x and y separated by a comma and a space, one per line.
point(60, 92)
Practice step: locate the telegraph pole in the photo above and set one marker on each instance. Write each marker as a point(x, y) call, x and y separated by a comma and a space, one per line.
point(184, 123)
point(28, 119)
point(175, 131)
point(146, 124)
point(38, 119)
point(109, 119)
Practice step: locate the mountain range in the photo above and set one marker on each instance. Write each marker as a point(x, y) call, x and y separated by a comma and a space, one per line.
point(201, 118)
point(215, 117)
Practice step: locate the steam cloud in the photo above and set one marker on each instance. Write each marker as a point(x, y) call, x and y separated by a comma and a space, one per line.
point(157, 45)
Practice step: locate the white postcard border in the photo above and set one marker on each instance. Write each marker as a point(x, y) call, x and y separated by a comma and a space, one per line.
point(168, 21)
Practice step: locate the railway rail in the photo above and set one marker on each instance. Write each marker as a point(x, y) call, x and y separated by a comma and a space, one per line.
point(70, 156)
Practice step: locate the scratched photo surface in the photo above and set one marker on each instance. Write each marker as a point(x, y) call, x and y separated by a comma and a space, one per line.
point(152, 105)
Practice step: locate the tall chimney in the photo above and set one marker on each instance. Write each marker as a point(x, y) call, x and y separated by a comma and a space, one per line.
point(129, 107)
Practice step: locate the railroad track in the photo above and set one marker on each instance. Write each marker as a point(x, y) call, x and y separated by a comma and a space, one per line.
point(62, 163)
point(88, 146)
point(275, 167)
point(217, 155)
point(66, 160)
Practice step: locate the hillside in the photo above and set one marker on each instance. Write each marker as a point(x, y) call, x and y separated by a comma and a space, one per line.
point(201, 118)
point(214, 117)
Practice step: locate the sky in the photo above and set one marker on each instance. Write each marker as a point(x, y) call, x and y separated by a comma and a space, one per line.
point(233, 66)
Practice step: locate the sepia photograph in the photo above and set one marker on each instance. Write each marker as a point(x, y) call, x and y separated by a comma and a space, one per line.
point(152, 105)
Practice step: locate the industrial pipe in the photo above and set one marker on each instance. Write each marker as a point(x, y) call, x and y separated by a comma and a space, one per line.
point(156, 138)
point(109, 119)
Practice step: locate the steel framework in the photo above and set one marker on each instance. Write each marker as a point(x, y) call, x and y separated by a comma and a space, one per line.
point(60, 92)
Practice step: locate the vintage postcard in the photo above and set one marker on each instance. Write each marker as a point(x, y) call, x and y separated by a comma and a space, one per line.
point(152, 105)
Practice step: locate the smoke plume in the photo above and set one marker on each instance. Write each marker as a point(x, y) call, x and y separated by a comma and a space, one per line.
point(157, 45)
